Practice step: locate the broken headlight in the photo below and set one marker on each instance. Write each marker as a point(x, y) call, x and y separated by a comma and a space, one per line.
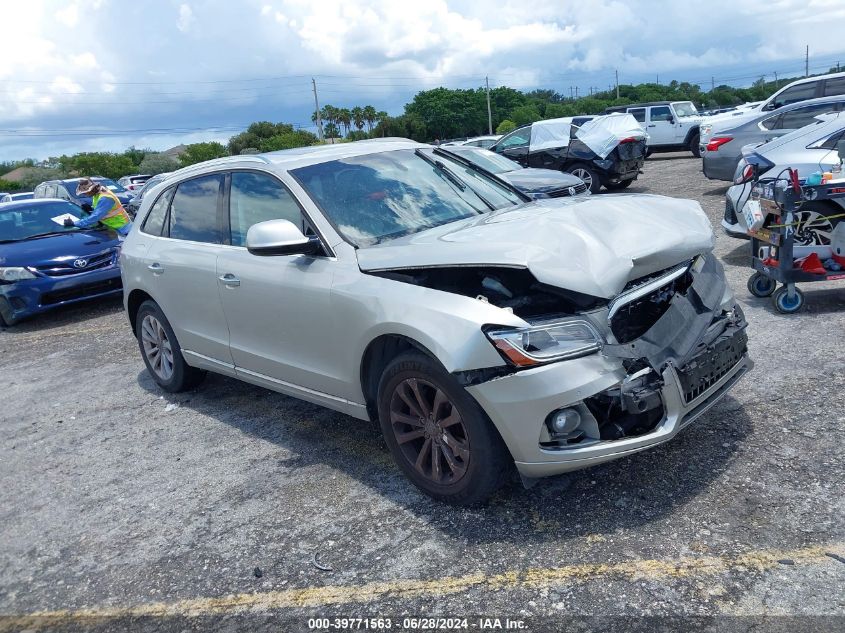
point(546, 342)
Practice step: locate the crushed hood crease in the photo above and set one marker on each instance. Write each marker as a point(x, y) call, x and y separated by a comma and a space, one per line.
point(592, 245)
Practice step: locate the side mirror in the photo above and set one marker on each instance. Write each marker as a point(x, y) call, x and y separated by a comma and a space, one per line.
point(671, 120)
point(770, 106)
point(279, 237)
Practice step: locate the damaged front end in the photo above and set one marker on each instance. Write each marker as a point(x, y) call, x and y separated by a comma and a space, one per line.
point(674, 344)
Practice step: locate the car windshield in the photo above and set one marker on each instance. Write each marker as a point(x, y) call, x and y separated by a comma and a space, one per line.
point(491, 161)
point(111, 185)
point(376, 197)
point(24, 222)
point(685, 108)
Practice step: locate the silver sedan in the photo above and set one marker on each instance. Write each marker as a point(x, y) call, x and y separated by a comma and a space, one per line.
point(480, 329)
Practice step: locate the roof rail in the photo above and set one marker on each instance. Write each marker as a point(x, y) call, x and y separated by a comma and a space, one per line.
point(254, 158)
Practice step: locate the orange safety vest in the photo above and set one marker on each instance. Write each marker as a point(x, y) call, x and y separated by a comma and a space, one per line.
point(117, 217)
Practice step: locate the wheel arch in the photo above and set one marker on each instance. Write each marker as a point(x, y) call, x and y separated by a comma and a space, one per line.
point(690, 133)
point(133, 303)
point(378, 353)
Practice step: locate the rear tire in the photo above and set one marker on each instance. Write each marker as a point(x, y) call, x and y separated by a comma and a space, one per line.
point(586, 173)
point(438, 435)
point(161, 351)
point(693, 145)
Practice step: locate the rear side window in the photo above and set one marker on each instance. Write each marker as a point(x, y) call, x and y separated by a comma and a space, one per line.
point(830, 142)
point(155, 218)
point(257, 198)
point(799, 117)
point(772, 123)
point(194, 210)
point(638, 114)
point(834, 87)
point(801, 92)
point(661, 113)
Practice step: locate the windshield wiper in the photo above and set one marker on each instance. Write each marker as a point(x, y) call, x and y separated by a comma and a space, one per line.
point(483, 171)
point(451, 177)
point(47, 234)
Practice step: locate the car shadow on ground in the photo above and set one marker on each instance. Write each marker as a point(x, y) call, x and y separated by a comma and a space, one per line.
point(76, 314)
point(624, 494)
point(718, 191)
point(656, 157)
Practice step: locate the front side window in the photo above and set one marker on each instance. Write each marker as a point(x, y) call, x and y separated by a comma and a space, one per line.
point(155, 218)
point(661, 113)
point(638, 114)
point(795, 94)
point(193, 212)
point(257, 198)
point(377, 197)
point(516, 139)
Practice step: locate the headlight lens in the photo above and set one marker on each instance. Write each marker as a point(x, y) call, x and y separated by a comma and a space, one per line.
point(15, 274)
point(546, 342)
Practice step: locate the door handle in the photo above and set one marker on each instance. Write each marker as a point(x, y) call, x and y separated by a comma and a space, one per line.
point(156, 268)
point(652, 125)
point(230, 280)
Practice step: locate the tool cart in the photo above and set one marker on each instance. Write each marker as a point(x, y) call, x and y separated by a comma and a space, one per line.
point(773, 229)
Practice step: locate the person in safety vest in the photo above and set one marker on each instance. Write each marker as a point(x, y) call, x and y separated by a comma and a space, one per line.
point(106, 209)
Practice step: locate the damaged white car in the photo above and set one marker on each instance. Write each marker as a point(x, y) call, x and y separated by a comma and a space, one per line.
point(384, 280)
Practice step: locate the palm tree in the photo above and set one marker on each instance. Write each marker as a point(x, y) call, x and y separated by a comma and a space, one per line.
point(344, 117)
point(358, 117)
point(381, 117)
point(329, 114)
point(370, 116)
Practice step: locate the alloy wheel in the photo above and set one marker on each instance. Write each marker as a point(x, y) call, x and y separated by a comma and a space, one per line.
point(157, 347)
point(812, 228)
point(429, 431)
point(584, 175)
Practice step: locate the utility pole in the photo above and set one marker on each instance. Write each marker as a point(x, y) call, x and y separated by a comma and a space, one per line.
point(807, 62)
point(591, 91)
point(489, 113)
point(776, 80)
point(317, 111)
point(712, 83)
point(617, 83)
point(658, 80)
point(576, 92)
point(571, 93)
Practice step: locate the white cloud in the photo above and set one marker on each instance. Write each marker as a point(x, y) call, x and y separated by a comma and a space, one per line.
point(186, 17)
point(69, 16)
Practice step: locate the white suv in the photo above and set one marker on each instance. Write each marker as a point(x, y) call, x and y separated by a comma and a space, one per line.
point(671, 125)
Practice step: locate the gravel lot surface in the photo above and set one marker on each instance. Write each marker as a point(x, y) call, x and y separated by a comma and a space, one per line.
point(121, 505)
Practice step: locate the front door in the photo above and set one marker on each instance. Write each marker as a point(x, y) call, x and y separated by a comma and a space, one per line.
point(277, 307)
point(661, 126)
point(515, 145)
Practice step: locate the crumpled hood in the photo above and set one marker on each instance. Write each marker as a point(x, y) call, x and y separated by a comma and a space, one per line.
point(593, 245)
point(536, 180)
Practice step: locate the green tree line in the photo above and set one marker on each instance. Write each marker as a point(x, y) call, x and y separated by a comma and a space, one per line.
point(440, 113)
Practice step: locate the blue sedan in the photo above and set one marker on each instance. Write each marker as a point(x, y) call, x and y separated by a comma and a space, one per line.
point(44, 265)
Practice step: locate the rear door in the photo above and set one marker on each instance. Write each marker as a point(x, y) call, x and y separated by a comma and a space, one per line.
point(801, 116)
point(182, 264)
point(277, 308)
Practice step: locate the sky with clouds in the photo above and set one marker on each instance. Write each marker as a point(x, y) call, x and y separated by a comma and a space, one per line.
point(86, 75)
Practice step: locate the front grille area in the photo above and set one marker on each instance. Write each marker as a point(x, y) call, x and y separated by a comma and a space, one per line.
point(80, 292)
point(636, 317)
point(563, 193)
point(93, 262)
point(706, 369)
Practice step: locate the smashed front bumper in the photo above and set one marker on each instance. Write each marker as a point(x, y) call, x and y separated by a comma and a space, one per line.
point(683, 365)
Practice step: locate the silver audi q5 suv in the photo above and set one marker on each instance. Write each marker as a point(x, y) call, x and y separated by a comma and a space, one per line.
point(392, 281)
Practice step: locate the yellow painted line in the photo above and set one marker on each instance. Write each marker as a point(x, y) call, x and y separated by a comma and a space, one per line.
point(332, 595)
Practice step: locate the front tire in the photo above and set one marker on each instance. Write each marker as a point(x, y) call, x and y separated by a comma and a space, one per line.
point(161, 351)
point(438, 435)
point(586, 173)
point(693, 145)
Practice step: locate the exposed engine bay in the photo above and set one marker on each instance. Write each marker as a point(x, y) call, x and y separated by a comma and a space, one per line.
point(514, 289)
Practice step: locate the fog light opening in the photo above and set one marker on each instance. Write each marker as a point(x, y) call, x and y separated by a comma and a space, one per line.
point(563, 422)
